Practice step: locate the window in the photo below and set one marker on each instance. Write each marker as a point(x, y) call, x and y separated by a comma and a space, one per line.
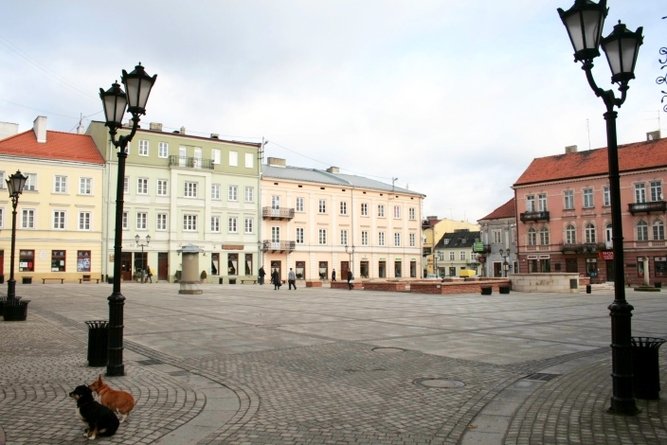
point(58, 219)
point(380, 238)
point(190, 189)
point(161, 221)
point(162, 188)
point(364, 238)
point(85, 186)
point(412, 213)
point(397, 239)
point(299, 235)
point(364, 209)
point(532, 237)
point(163, 150)
point(413, 240)
point(588, 198)
point(197, 157)
point(26, 260)
point(233, 159)
point(658, 230)
point(84, 220)
point(143, 147)
point(642, 231)
point(542, 202)
point(249, 224)
point(497, 235)
point(462, 255)
point(544, 236)
point(60, 184)
point(249, 160)
point(530, 203)
point(58, 261)
point(190, 222)
point(452, 255)
point(142, 220)
point(233, 224)
point(568, 200)
point(570, 234)
point(606, 196)
point(275, 202)
point(640, 193)
point(142, 186)
point(381, 210)
point(233, 193)
point(343, 208)
point(31, 182)
point(215, 191)
point(83, 260)
point(3, 184)
point(215, 154)
point(656, 191)
point(215, 224)
point(2, 217)
point(126, 185)
point(249, 193)
point(343, 237)
point(589, 232)
point(28, 219)
point(609, 237)
point(299, 204)
point(397, 212)
point(275, 234)
point(322, 206)
point(125, 220)
point(322, 236)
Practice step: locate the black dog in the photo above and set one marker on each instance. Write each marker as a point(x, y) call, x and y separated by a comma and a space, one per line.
point(101, 420)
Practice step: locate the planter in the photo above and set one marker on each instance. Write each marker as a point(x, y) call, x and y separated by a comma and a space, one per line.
point(487, 290)
point(504, 289)
point(26, 280)
point(15, 310)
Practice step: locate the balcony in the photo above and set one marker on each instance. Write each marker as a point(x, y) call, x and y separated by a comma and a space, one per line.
point(278, 246)
point(279, 213)
point(534, 216)
point(180, 161)
point(576, 249)
point(647, 207)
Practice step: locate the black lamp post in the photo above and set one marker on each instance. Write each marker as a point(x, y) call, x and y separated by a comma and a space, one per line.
point(505, 254)
point(350, 252)
point(584, 22)
point(138, 85)
point(142, 243)
point(15, 185)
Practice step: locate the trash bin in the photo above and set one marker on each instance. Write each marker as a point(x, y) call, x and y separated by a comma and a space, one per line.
point(645, 367)
point(98, 333)
point(588, 288)
point(15, 309)
point(487, 290)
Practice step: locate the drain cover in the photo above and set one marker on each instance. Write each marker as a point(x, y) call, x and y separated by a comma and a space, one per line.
point(436, 382)
point(387, 349)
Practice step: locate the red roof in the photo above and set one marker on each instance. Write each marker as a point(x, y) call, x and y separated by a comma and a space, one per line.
point(631, 157)
point(507, 210)
point(58, 146)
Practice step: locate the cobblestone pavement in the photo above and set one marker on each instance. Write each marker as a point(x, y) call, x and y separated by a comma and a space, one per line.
point(248, 365)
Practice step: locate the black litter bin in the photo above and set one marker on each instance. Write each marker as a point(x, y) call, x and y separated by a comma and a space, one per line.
point(98, 333)
point(645, 367)
point(15, 309)
point(588, 288)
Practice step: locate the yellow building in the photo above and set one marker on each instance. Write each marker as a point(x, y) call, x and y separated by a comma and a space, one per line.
point(60, 213)
point(433, 229)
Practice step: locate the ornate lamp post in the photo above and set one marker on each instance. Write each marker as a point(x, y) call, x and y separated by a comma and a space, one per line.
point(350, 253)
point(138, 85)
point(584, 22)
point(15, 185)
point(505, 254)
point(142, 243)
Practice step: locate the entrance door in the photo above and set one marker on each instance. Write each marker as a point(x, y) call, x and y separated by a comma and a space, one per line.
point(276, 264)
point(163, 266)
point(126, 266)
point(344, 267)
point(497, 268)
point(610, 270)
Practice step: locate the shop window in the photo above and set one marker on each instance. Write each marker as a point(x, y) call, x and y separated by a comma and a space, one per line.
point(83, 260)
point(26, 260)
point(57, 261)
point(233, 264)
point(660, 266)
point(248, 263)
point(300, 270)
point(215, 263)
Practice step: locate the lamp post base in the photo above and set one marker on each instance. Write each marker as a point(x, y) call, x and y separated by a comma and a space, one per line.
point(115, 365)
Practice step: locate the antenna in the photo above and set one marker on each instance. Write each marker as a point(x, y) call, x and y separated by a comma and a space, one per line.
point(393, 180)
point(588, 130)
point(79, 128)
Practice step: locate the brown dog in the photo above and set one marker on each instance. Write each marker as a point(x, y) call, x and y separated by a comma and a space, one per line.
point(120, 402)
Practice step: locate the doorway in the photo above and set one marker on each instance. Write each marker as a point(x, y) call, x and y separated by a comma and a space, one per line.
point(163, 266)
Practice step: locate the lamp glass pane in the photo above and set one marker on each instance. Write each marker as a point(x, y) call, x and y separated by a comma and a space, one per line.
point(114, 107)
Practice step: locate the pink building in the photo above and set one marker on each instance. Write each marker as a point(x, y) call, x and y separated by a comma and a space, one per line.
point(564, 213)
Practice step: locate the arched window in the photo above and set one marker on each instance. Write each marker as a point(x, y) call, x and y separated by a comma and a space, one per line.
point(658, 230)
point(570, 234)
point(532, 237)
point(642, 231)
point(590, 233)
point(544, 236)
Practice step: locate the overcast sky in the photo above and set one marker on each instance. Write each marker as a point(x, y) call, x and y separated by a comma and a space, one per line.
point(454, 98)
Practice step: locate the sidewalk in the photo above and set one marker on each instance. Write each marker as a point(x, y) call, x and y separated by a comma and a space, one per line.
point(244, 364)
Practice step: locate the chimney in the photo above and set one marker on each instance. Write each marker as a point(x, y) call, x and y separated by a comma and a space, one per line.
point(182, 130)
point(276, 162)
point(333, 170)
point(571, 149)
point(155, 126)
point(39, 127)
point(215, 136)
point(653, 135)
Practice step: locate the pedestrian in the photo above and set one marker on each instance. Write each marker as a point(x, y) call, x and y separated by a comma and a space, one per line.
point(275, 279)
point(333, 275)
point(350, 279)
point(262, 274)
point(291, 279)
point(149, 273)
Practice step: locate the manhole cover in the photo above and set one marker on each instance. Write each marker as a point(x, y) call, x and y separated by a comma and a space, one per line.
point(435, 382)
point(387, 349)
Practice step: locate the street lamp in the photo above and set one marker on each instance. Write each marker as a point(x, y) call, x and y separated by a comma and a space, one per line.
point(15, 185)
point(505, 254)
point(142, 243)
point(350, 252)
point(138, 85)
point(584, 22)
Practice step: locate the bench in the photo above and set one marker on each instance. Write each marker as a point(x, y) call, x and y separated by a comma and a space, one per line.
point(249, 280)
point(88, 279)
point(62, 280)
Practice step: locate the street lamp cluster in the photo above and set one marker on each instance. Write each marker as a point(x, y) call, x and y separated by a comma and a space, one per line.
point(143, 243)
point(584, 22)
point(138, 85)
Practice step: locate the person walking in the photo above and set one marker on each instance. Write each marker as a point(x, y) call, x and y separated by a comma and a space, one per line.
point(149, 274)
point(333, 275)
point(275, 279)
point(350, 277)
point(262, 274)
point(291, 279)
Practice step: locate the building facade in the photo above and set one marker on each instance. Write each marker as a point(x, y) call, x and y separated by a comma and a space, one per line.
point(321, 221)
point(433, 229)
point(498, 233)
point(564, 210)
point(60, 219)
point(455, 254)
